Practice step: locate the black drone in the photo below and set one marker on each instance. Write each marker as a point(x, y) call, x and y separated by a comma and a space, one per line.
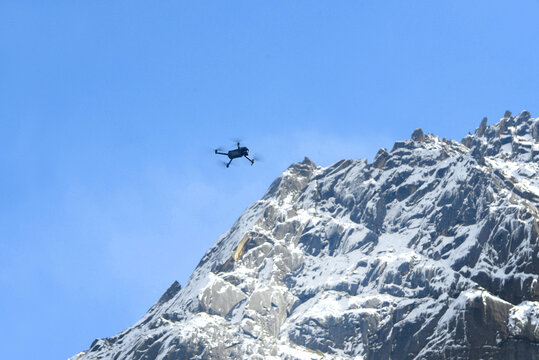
point(241, 151)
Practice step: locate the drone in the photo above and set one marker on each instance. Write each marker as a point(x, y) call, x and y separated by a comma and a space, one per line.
point(241, 151)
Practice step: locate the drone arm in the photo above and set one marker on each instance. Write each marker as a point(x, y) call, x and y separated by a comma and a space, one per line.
point(220, 153)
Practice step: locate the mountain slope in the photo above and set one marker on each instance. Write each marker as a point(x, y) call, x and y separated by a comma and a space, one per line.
point(430, 252)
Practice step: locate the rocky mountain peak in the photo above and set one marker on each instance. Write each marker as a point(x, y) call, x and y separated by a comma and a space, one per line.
point(418, 135)
point(291, 181)
point(512, 137)
point(430, 252)
point(480, 131)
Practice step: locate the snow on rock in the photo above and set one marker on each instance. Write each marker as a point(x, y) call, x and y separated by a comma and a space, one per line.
point(219, 296)
point(430, 252)
point(524, 320)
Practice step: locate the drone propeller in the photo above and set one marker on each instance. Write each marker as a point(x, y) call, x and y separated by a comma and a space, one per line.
point(237, 141)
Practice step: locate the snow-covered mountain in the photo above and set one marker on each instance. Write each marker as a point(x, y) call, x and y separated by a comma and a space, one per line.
point(430, 252)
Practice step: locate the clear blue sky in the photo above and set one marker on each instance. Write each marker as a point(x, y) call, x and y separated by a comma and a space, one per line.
point(109, 111)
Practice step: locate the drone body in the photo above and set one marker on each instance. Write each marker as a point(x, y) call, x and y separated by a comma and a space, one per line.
point(241, 151)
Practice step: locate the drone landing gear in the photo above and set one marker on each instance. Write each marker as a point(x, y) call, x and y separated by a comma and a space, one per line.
point(251, 160)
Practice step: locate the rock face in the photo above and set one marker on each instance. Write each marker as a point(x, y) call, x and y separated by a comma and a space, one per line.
point(431, 252)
